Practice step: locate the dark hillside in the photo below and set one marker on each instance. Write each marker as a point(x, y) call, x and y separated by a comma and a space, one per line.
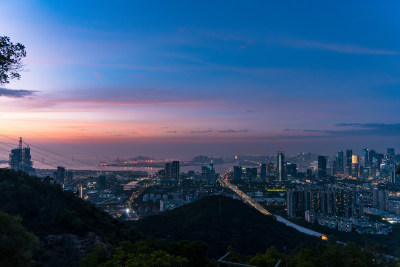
point(220, 222)
point(47, 210)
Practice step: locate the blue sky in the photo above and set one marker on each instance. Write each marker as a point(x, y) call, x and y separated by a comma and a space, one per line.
point(248, 76)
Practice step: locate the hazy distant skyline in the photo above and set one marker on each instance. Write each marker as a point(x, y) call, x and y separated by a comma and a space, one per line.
point(177, 78)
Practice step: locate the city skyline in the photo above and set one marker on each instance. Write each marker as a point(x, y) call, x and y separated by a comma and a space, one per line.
point(181, 79)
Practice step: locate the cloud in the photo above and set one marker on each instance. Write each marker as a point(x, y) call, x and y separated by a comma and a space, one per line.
point(377, 129)
point(348, 130)
point(15, 93)
point(233, 131)
point(171, 132)
point(201, 132)
point(98, 76)
point(340, 48)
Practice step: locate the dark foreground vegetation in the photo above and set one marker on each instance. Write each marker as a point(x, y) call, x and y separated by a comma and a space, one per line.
point(41, 225)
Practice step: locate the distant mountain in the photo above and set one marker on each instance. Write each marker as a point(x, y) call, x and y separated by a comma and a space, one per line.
point(221, 222)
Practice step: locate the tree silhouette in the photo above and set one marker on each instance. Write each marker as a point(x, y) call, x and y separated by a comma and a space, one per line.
point(11, 56)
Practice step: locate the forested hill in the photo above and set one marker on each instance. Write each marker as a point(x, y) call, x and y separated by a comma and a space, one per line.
point(221, 222)
point(46, 209)
point(41, 225)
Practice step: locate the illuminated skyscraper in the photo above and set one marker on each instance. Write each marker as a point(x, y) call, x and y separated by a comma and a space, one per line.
point(280, 166)
point(355, 167)
point(365, 157)
point(349, 155)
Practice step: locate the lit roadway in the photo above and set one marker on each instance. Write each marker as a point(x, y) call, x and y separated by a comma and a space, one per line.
point(246, 198)
point(250, 201)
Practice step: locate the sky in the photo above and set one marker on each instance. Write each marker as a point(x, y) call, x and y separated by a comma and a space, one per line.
point(181, 78)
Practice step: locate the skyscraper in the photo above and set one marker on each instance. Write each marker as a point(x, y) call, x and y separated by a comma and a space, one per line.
point(59, 175)
point(291, 170)
point(390, 152)
point(263, 172)
point(338, 168)
point(365, 157)
point(322, 167)
point(237, 173)
point(355, 167)
point(280, 166)
point(175, 171)
point(349, 160)
point(20, 159)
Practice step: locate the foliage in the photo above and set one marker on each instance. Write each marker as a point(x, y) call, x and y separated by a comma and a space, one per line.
point(11, 56)
point(46, 209)
point(16, 243)
point(324, 255)
point(150, 252)
point(269, 258)
point(95, 257)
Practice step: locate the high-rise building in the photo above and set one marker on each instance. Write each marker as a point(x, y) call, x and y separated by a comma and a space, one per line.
point(263, 172)
point(69, 177)
point(355, 167)
point(291, 170)
point(168, 171)
point(251, 174)
point(175, 171)
point(171, 171)
point(365, 157)
point(237, 173)
point(349, 160)
point(270, 169)
point(390, 152)
point(59, 175)
point(20, 159)
point(280, 166)
point(208, 173)
point(338, 168)
point(322, 167)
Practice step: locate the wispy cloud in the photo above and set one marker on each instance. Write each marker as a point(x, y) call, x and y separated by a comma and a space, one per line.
point(98, 76)
point(201, 132)
point(15, 93)
point(233, 131)
point(348, 130)
point(92, 64)
point(340, 48)
point(171, 132)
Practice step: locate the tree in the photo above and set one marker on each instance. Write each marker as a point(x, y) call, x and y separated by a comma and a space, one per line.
point(16, 243)
point(11, 56)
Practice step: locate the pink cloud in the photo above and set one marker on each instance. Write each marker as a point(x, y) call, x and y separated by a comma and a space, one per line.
point(98, 76)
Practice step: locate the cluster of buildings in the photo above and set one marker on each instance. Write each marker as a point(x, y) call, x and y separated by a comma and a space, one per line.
point(339, 207)
point(170, 173)
point(370, 165)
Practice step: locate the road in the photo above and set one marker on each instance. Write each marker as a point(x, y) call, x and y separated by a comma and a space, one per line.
point(250, 201)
